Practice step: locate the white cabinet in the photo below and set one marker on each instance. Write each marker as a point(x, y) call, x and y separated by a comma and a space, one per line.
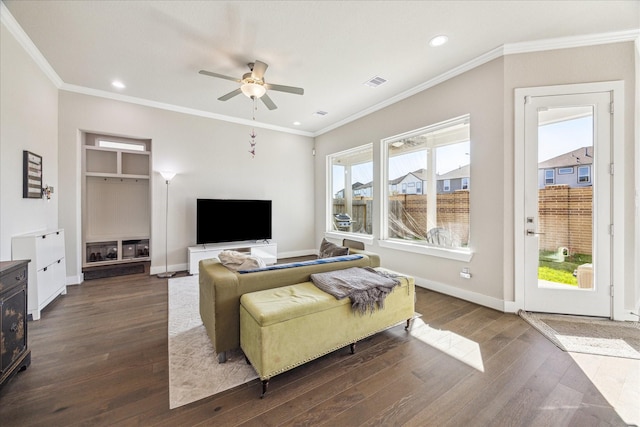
point(267, 251)
point(47, 269)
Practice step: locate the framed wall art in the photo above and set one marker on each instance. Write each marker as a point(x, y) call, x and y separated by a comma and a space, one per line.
point(32, 175)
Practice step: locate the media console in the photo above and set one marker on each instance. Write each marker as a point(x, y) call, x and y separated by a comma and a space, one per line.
point(268, 251)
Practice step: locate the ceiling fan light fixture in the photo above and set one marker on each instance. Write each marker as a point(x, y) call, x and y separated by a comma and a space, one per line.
point(253, 90)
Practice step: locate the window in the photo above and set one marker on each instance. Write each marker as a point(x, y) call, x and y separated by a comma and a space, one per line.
point(565, 171)
point(584, 175)
point(465, 183)
point(436, 156)
point(351, 191)
point(549, 177)
point(133, 146)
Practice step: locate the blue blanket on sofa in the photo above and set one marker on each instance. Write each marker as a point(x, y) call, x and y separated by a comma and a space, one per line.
point(302, 263)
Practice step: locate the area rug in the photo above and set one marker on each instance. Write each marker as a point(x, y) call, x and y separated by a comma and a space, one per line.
point(589, 335)
point(194, 371)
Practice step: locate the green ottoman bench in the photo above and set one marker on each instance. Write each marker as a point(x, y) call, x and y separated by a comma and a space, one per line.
point(285, 327)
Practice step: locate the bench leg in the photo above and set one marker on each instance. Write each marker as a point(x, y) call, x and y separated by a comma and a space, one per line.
point(222, 357)
point(406, 328)
point(265, 384)
point(352, 347)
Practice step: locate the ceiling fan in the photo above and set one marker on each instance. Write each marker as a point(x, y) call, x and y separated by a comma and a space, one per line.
point(253, 84)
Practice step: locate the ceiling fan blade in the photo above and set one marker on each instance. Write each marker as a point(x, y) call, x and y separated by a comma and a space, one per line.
point(220, 76)
point(268, 102)
point(282, 88)
point(230, 95)
point(258, 70)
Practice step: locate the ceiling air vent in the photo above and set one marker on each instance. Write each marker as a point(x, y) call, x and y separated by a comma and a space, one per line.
point(375, 81)
point(320, 113)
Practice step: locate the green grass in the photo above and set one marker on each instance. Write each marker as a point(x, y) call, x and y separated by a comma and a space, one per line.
point(557, 276)
point(562, 272)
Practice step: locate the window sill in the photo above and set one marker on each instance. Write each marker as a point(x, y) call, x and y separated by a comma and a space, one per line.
point(364, 238)
point(454, 254)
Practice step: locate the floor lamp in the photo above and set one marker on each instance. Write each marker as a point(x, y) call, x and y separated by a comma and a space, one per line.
point(168, 176)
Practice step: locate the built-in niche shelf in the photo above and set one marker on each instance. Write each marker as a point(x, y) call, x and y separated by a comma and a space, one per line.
point(103, 252)
point(116, 202)
point(107, 162)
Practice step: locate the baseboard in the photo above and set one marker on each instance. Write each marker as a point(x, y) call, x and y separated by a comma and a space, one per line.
point(474, 297)
point(175, 267)
point(75, 280)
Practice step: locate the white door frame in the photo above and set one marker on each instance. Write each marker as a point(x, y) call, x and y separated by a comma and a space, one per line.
point(617, 140)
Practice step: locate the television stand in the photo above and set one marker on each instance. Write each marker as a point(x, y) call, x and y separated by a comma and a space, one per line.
point(266, 250)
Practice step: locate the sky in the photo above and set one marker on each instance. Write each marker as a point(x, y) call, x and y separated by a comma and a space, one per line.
point(562, 137)
point(554, 139)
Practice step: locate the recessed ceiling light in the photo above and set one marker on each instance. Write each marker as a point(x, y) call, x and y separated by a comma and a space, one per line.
point(297, 123)
point(438, 40)
point(118, 84)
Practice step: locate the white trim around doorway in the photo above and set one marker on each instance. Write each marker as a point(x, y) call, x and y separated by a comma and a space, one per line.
point(618, 158)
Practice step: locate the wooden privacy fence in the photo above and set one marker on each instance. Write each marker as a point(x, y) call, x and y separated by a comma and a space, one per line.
point(565, 216)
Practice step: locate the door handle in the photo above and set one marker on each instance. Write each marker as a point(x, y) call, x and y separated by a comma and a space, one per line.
point(531, 232)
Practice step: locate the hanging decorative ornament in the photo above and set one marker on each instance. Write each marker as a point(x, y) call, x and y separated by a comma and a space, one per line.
point(252, 143)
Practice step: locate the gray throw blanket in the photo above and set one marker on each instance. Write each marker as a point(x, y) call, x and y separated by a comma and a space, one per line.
point(365, 286)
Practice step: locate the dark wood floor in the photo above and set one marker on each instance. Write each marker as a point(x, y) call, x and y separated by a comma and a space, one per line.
point(99, 357)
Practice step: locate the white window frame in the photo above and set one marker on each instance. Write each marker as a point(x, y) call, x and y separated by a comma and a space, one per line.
point(565, 171)
point(329, 231)
point(587, 175)
point(465, 183)
point(121, 145)
point(553, 177)
point(446, 185)
point(458, 254)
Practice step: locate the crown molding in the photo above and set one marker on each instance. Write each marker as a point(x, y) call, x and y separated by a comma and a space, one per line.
point(178, 109)
point(507, 49)
point(18, 33)
point(476, 62)
point(571, 42)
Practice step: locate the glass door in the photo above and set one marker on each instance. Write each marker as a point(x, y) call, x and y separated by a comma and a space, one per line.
point(567, 191)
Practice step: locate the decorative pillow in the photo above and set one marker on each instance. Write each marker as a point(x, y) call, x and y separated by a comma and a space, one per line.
point(328, 249)
point(235, 260)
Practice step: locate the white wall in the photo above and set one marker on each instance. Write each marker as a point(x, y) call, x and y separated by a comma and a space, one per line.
point(487, 94)
point(28, 121)
point(479, 93)
point(212, 160)
point(609, 62)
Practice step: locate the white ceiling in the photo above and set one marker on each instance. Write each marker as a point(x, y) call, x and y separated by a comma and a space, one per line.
point(329, 48)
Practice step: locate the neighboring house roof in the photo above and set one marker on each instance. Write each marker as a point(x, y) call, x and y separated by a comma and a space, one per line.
point(580, 156)
point(421, 174)
point(397, 180)
point(359, 186)
point(461, 172)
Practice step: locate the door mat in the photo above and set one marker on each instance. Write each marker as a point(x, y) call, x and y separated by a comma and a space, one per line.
point(589, 335)
point(112, 271)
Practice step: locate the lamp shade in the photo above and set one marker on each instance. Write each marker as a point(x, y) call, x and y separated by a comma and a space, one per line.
point(252, 90)
point(168, 176)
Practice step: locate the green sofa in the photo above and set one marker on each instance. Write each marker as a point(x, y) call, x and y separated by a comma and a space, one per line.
point(221, 289)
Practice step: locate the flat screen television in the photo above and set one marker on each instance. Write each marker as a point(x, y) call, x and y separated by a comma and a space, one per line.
point(227, 220)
